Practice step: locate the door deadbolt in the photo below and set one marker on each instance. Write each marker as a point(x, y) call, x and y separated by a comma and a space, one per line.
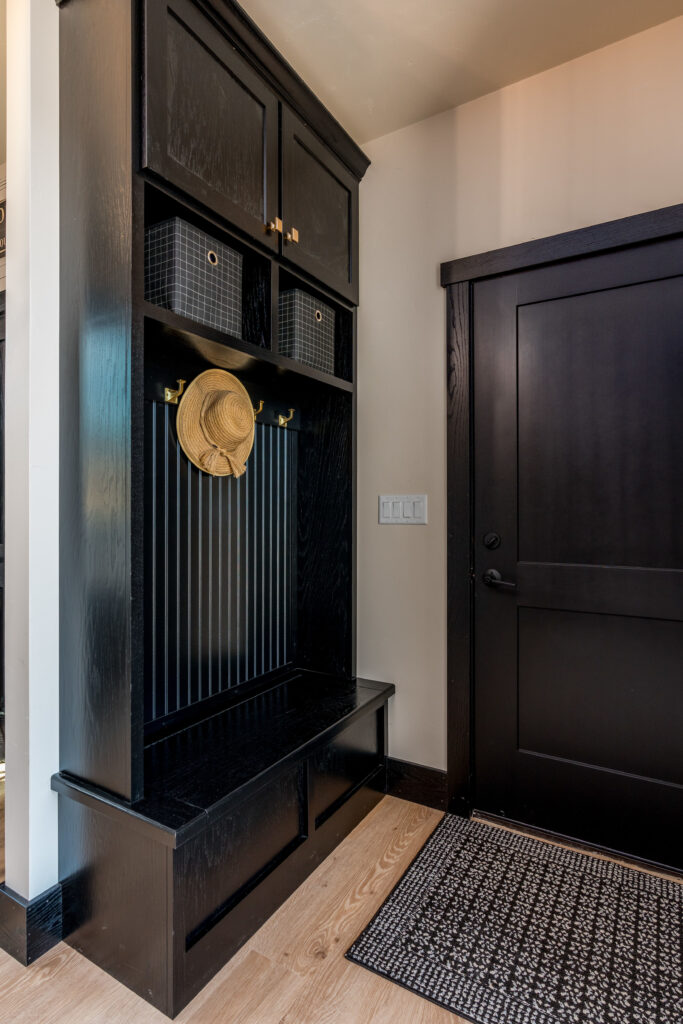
point(491, 541)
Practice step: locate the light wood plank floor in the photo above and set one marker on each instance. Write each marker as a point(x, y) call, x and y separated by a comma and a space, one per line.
point(292, 971)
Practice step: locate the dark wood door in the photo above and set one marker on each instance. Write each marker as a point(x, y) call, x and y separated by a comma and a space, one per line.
point(210, 122)
point(319, 209)
point(578, 448)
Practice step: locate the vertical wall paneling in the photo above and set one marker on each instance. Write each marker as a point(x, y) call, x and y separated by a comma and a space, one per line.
point(219, 567)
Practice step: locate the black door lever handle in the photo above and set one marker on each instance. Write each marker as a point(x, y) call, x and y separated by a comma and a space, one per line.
point(492, 578)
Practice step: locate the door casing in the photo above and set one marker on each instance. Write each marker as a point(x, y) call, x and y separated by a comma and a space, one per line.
point(458, 277)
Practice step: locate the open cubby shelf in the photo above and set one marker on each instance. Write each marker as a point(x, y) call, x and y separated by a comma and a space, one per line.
point(265, 276)
point(233, 354)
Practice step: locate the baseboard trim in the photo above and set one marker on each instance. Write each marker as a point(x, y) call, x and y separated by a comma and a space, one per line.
point(28, 928)
point(418, 783)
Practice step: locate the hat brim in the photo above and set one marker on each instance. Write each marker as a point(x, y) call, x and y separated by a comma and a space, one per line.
point(190, 434)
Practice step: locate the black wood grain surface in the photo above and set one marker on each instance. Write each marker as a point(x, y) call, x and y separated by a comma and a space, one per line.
point(459, 630)
point(343, 764)
point(320, 200)
point(261, 831)
point(164, 920)
point(195, 775)
point(614, 234)
point(175, 333)
point(325, 541)
point(598, 587)
point(207, 625)
point(100, 691)
point(196, 965)
point(210, 122)
point(279, 73)
point(220, 573)
point(578, 376)
point(213, 759)
point(418, 783)
point(118, 886)
point(28, 928)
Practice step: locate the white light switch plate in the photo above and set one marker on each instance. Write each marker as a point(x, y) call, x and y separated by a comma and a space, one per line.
point(407, 509)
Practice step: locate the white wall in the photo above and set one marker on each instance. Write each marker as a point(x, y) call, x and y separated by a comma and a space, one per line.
point(3, 87)
point(589, 141)
point(32, 446)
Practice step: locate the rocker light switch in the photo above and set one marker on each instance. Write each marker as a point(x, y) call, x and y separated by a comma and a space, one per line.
point(407, 509)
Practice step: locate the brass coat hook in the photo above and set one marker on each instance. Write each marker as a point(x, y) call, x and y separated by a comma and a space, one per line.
point(283, 420)
point(171, 395)
point(259, 409)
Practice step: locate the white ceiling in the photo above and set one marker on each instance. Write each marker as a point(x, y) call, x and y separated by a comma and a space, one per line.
point(379, 65)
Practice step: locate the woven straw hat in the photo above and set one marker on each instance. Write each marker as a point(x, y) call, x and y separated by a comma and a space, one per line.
point(215, 423)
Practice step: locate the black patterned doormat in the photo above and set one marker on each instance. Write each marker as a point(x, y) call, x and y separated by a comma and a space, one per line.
point(505, 929)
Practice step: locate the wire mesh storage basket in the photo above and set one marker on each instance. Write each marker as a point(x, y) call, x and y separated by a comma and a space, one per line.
point(193, 274)
point(307, 329)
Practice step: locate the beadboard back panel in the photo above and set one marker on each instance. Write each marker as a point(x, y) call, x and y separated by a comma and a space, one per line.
point(221, 567)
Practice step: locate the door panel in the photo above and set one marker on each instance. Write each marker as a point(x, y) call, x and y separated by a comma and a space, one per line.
point(578, 377)
point(210, 123)
point(584, 695)
point(599, 465)
point(319, 200)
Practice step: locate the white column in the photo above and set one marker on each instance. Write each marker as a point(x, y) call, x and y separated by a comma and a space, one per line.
point(32, 446)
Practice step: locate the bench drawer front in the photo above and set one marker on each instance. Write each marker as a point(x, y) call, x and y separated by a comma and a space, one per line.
point(347, 761)
point(218, 868)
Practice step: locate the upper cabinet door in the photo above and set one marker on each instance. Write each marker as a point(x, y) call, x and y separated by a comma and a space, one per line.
point(320, 208)
point(210, 124)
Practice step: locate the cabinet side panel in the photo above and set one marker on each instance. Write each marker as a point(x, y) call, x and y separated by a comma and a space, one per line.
point(325, 544)
point(97, 697)
point(117, 887)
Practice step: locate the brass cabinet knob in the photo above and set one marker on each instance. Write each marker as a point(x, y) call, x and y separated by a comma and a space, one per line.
point(274, 225)
point(292, 236)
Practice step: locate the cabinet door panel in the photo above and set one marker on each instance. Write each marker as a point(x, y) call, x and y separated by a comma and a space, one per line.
point(210, 123)
point(319, 200)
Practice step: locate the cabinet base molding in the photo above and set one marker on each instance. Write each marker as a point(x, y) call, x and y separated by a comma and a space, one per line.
point(28, 928)
point(418, 783)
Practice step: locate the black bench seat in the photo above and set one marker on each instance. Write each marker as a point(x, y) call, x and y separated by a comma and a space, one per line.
point(239, 808)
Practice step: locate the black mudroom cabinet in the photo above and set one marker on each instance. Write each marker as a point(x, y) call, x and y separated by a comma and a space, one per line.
point(213, 127)
point(215, 742)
